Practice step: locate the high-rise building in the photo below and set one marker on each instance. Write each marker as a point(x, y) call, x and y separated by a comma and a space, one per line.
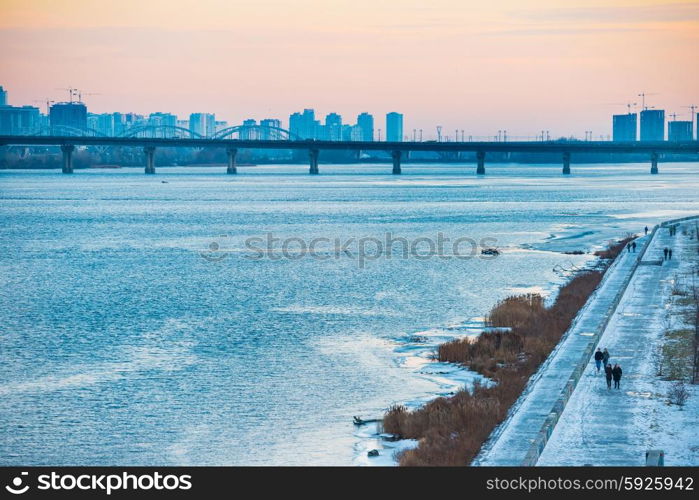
point(680, 131)
point(333, 127)
point(309, 123)
point(203, 124)
point(220, 125)
point(102, 123)
point(624, 127)
point(248, 131)
point(183, 124)
point(356, 133)
point(68, 114)
point(162, 124)
point(653, 125)
point(394, 127)
point(346, 132)
point(304, 124)
point(3, 96)
point(19, 120)
point(295, 124)
point(105, 124)
point(269, 129)
point(366, 123)
point(119, 126)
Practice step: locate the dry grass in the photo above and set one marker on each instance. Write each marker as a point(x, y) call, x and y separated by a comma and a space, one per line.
point(614, 248)
point(452, 430)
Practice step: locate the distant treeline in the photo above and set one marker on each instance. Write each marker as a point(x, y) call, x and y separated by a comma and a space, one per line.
point(15, 157)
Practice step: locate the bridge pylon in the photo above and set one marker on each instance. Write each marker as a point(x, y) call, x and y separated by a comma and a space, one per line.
point(654, 163)
point(313, 161)
point(480, 160)
point(150, 159)
point(67, 150)
point(231, 152)
point(396, 156)
point(566, 163)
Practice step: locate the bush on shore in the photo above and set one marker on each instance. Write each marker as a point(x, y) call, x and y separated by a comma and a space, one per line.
point(452, 430)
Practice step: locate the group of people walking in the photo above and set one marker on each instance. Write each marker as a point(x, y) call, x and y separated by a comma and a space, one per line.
point(631, 247)
point(610, 372)
point(667, 251)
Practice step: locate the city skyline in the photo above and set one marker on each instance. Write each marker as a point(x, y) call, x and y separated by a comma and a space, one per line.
point(27, 119)
point(450, 64)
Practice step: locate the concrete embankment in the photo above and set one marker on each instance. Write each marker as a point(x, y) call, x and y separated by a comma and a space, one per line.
point(521, 439)
point(649, 335)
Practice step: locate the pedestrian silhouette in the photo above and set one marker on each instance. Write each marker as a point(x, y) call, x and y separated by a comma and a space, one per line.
point(669, 253)
point(633, 245)
point(598, 359)
point(608, 375)
point(628, 247)
point(646, 229)
point(665, 253)
point(605, 357)
point(616, 374)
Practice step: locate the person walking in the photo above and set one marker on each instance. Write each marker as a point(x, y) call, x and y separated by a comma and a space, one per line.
point(598, 359)
point(628, 247)
point(633, 246)
point(608, 375)
point(605, 357)
point(616, 374)
point(665, 253)
point(669, 254)
point(646, 230)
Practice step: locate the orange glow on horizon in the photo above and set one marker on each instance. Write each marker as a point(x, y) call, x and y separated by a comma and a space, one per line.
point(563, 66)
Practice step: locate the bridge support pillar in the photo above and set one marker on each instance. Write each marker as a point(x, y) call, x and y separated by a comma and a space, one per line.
point(480, 158)
point(67, 150)
point(654, 163)
point(232, 169)
point(566, 163)
point(396, 155)
point(150, 155)
point(313, 161)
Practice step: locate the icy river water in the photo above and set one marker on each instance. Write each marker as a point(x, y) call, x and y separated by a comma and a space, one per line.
point(144, 322)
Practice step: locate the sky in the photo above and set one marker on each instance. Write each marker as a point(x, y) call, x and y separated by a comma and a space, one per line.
point(523, 66)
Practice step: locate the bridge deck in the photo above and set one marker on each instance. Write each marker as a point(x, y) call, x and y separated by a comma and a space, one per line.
point(497, 146)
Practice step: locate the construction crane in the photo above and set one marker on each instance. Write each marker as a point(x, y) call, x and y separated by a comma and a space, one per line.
point(643, 95)
point(71, 92)
point(691, 108)
point(674, 116)
point(439, 133)
point(48, 103)
point(80, 94)
point(627, 104)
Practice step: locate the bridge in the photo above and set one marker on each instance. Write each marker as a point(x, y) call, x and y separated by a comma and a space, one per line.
point(67, 143)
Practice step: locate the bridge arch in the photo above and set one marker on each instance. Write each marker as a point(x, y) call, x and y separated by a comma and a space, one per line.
point(66, 130)
point(255, 132)
point(146, 129)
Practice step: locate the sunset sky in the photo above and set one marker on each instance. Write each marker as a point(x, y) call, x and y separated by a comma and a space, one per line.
point(561, 65)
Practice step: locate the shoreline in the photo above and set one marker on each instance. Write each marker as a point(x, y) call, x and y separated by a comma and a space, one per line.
point(456, 376)
point(652, 335)
point(448, 377)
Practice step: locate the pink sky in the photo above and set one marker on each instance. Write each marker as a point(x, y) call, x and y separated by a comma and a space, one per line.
point(563, 65)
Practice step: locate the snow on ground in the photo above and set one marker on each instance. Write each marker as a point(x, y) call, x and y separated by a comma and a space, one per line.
point(616, 427)
point(416, 353)
point(511, 441)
